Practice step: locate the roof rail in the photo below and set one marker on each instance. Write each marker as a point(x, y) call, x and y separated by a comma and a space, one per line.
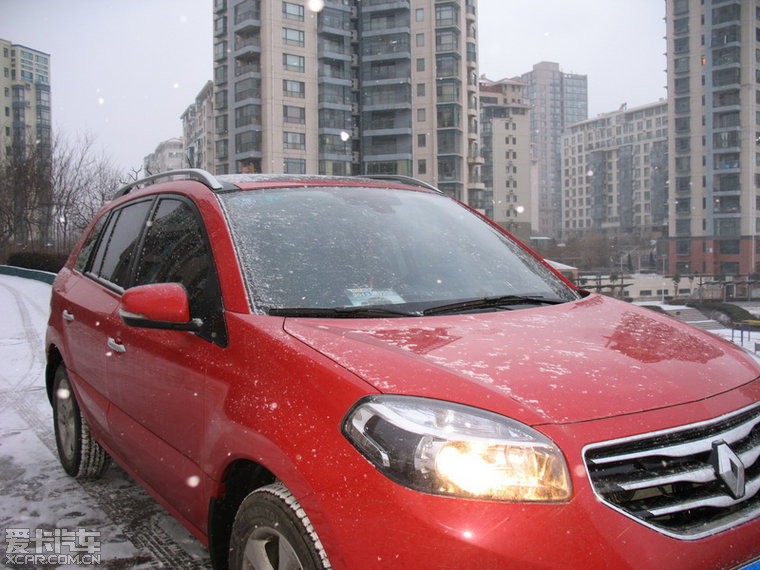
point(184, 173)
point(405, 179)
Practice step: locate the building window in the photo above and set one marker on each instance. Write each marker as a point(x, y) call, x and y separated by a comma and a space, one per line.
point(727, 227)
point(447, 40)
point(681, 25)
point(220, 125)
point(420, 64)
point(420, 40)
point(292, 62)
point(248, 141)
point(247, 89)
point(220, 99)
point(421, 116)
point(682, 124)
point(446, 15)
point(292, 11)
point(220, 74)
point(419, 15)
point(421, 141)
point(292, 88)
point(291, 114)
point(294, 166)
point(420, 90)
point(247, 10)
point(728, 246)
point(293, 37)
point(222, 148)
point(729, 268)
point(294, 141)
point(683, 247)
point(248, 115)
point(681, 64)
point(422, 166)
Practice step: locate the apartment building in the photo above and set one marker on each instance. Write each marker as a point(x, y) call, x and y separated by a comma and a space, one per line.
point(198, 130)
point(614, 173)
point(25, 92)
point(557, 100)
point(372, 87)
point(26, 143)
point(505, 145)
point(169, 155)
point(714, 157)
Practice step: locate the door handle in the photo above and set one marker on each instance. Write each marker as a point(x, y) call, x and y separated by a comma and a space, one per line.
point(67, 316)
point(115, 346)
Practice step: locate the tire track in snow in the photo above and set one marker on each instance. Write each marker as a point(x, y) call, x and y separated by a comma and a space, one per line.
point(32, 336)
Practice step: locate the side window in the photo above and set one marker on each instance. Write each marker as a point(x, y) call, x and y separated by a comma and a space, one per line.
point(89, 245)
point(175, 250)
point(116, 249)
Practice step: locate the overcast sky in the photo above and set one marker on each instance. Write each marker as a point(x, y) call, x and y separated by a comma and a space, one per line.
point(123, 71)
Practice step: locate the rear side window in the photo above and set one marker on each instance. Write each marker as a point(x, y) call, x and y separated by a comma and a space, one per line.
point(116, 249)
point(89, 245)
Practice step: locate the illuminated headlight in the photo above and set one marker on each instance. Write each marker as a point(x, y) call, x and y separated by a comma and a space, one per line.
point(450, 449)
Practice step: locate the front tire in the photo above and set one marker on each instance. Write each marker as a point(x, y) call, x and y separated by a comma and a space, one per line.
point(272, 532)
point(80, 455)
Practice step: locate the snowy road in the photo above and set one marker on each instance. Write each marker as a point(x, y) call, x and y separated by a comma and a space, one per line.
point(35, 493)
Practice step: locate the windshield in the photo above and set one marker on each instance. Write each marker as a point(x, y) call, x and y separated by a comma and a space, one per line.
point(331, 247)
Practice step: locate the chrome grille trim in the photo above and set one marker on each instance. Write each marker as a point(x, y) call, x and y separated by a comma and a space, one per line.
point(669, 480)
point(686, 449)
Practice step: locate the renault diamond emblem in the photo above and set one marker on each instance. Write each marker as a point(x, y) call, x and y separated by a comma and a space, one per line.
point(728, 468)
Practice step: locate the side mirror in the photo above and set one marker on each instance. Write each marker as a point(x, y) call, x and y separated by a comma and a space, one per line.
point(158, 306)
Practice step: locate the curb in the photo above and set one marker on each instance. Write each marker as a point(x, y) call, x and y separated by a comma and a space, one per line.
point(44, 276)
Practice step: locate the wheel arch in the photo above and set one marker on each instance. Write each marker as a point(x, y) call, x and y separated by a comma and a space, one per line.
point(241, 477)
point(54, 359)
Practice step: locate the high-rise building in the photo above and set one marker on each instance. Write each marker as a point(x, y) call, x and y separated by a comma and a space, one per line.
point(25, 91)
point(26, 142)
point(614, 173)
point(714, 152)
point(370, 87)
point(198, 130)
point(558, 100)
point(505, 146)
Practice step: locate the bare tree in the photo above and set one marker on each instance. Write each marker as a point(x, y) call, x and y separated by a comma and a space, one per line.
point(83, 180)
point(49, 195)
point(25, 196)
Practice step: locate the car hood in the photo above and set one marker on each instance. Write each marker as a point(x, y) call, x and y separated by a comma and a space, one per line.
point(593, 358)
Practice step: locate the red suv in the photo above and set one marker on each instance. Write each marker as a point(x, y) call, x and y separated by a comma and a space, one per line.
point(314, 372)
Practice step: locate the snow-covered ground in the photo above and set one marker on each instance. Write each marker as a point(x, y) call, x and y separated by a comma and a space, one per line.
point(36, 496)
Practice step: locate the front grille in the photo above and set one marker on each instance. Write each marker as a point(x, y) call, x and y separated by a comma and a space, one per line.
point(688, 482)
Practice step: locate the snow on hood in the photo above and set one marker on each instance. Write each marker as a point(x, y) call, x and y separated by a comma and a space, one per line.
point(577, 361)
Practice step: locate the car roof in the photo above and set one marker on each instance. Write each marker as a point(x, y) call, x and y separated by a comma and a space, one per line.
point(231, 182)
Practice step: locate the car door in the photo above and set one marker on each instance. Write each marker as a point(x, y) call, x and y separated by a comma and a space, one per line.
point(89, 300)
point(158, 375)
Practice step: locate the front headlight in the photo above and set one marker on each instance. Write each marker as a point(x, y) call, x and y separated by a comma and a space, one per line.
point(450, 449)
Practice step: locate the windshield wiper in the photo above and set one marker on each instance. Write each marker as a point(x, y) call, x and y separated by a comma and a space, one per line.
point(495, 301)
point(339, 312)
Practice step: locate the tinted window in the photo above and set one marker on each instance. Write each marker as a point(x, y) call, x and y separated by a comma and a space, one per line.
point(117, 247)
point(175, 250)
point(89, 245)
